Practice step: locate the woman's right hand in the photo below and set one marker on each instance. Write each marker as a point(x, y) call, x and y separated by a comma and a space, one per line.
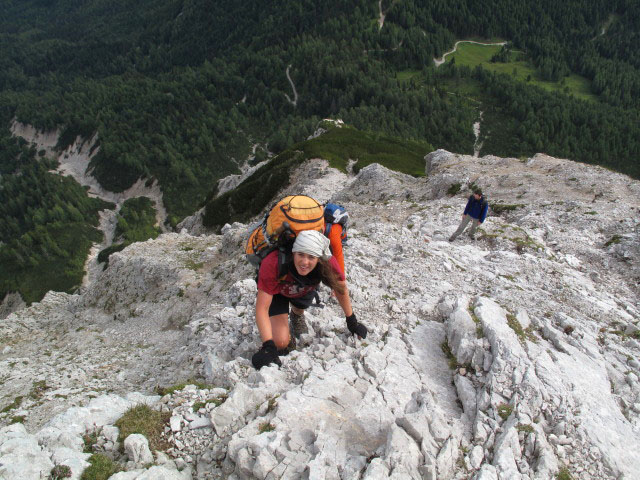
point(355, 327)
point(267, 354)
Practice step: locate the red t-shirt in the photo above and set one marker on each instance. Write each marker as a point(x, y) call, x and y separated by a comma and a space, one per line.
point(268, 278)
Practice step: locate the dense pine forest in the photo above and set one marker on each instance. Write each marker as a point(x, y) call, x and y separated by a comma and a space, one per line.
point(182, 91)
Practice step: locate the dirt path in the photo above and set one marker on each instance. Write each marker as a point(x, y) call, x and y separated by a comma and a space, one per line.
point(294, 102)
point(382, 15)
point(440, 61)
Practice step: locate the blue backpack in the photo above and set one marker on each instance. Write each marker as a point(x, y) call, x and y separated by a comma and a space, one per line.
point(334, 213)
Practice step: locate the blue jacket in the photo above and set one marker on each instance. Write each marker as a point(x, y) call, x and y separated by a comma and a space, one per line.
point(476, 208)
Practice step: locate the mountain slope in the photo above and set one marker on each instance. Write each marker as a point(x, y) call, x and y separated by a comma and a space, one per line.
point(535, 323)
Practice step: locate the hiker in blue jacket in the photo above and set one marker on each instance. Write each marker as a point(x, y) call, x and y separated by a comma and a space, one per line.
point(475, 212)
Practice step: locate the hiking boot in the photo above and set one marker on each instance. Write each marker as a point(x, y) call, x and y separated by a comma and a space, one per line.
point(298, 325)
point(289, 348)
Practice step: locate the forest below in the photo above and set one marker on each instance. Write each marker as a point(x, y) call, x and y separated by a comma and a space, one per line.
point(182, 90)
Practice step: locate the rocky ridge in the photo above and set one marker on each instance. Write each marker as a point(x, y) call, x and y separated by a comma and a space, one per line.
point(509, 357)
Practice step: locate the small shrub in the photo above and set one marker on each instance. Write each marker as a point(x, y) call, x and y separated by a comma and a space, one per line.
point(59, 472)
point(17, 419)
point(524, 428)
point(499, 208)
point(273, 402)
point(613, 240)
point(38, 389)
point(266, 427)
point(453, 189)
point(15, 404)
point(145, 421)
point(451, 358)
point(564, 474)
point(523, 335)
point(192, 265)
point(102, 467)
point(504, 410)
point(103, 256)
point(89, 440)
point(198, 405)
point(169, 390)
point(220, 399)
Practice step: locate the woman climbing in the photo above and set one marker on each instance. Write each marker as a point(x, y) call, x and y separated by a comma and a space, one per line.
point(311, 263)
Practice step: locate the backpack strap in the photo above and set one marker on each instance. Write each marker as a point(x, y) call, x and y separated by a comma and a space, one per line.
point(284, 258)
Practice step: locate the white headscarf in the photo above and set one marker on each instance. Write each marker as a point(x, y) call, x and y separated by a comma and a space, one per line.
point(312, 242)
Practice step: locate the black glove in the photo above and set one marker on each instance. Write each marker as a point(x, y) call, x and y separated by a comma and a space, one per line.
point(356, 328)
point(266, 355)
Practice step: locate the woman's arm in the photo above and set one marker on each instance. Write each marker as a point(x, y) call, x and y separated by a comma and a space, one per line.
point(336, 245)
point(263, 302)
point(344, 300)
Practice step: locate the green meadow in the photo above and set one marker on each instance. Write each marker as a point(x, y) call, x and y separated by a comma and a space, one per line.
point(472, 55)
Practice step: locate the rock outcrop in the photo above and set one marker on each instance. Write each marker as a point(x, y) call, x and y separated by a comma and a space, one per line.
point(512, 356)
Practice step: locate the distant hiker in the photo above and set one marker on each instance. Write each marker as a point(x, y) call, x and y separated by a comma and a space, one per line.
point(336, 219)
point(475, 212)
point(310, 264)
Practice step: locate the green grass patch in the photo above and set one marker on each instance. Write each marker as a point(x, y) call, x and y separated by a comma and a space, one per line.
point(522, 333)
point(220, 399)
point(339, 145)
point(15, 404)
point(148, 422)
point(174, 388)
point(266, 427)
point(518, 67)
point(524, 428)
point(452, 361)
point(217, 401)
point(476, 320)
point(613, 240)
point(513, 322)
point(453, 189)
point(504, 410)
point(564, 474)
point(499, 208)
point(37, 390)
point(101, 468)
point(472, 54)
point(192, 265)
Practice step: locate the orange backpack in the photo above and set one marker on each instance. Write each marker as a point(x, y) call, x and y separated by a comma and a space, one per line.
point(281, 224)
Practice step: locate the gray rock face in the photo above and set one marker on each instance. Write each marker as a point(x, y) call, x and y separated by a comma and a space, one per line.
point(21, 456)
point(136, 447)
point(510, 356)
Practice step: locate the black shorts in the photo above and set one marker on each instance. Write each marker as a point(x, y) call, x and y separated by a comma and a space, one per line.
point(280, 303)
